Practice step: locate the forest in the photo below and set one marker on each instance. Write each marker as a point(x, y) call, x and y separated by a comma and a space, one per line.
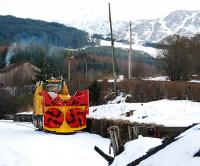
point(50, 45)
point(13, 29)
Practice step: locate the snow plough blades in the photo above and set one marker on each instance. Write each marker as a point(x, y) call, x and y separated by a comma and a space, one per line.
point(56, 111)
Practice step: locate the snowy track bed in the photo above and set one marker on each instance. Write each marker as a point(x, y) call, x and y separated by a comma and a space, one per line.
point(21, 145)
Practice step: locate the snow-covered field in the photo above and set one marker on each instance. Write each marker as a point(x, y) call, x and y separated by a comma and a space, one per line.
point(151, 51)
point(21, 145)
point(164, 78)
point(177, 113)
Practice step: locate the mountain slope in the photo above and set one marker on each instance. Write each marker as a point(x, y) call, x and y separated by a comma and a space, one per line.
point(180, 22)
point(13, 29)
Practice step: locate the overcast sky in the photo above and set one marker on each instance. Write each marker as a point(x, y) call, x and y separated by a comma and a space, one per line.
point(68, 10)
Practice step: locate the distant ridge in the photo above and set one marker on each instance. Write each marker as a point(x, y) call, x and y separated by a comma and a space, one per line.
point(180, 22)
point(13, 29)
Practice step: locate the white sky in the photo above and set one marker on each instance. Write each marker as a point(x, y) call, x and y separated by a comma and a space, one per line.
point(68, 10)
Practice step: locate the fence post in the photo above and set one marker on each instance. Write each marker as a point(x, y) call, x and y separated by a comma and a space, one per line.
point(133, 132)
point(114, 139)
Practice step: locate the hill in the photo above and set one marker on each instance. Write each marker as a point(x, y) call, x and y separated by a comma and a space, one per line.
point(180, 22)
point(41, 43)
point(122, 54)
point(13, 29)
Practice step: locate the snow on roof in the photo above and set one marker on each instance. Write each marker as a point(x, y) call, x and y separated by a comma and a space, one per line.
point(171, 113)
point(25, 113)
point(181, 152)
point(12, 66)
point(134, 149)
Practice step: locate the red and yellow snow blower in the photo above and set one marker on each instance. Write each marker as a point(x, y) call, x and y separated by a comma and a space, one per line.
point(56, 111)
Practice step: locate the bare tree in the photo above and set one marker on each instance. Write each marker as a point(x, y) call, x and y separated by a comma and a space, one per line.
point(141, 69)
point(175, 59)
point(195, 54)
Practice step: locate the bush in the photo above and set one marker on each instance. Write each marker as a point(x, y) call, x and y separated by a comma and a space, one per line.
point(15, 99)
point(145, 91)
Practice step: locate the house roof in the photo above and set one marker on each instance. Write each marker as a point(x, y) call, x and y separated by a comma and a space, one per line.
point(174, 151)
point(12, 66)
point(3, 48)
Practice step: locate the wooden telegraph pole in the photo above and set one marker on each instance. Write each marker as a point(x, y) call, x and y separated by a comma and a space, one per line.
point(69, 64)
point(86, 70)
point(130, 55)
point(113, 53)
point(69, 58)
point(86, 66)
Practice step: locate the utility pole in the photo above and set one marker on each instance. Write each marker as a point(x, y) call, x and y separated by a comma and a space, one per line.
point(86, 70)
point(130, 55)
point(113, 53)
point(86, 65)
point(69, 65)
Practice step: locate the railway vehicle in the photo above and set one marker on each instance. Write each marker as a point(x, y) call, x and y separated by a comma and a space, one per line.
point(54, 110)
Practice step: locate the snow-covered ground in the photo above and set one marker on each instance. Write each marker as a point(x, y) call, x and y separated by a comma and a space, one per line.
point(195, 81)
point(159, 78)
point(164, 78)
point(177, 113)
point(151, 51)
point(21, 145)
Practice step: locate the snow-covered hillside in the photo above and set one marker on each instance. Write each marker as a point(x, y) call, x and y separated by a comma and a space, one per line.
point(181, 22)
point(151, 51)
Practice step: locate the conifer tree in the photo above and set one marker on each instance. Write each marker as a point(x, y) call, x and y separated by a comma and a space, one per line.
point(95, 90)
